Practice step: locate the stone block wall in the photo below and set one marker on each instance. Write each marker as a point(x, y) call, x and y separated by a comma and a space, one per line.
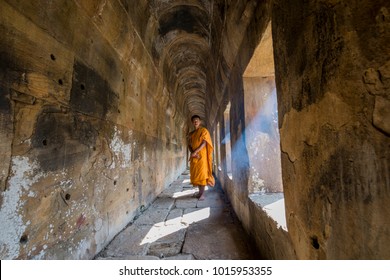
point(85, 137)
point(332, 62)
point(331, 73)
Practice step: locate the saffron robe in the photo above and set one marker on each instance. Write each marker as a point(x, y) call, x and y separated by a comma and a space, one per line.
point(201, 173)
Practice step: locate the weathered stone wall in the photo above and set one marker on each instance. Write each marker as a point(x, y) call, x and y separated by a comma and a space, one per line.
point(85, 137)
point(332, 61)
point(332, 77)
point(272, 241)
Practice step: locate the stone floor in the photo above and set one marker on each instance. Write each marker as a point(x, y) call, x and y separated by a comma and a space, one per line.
point(179, 226)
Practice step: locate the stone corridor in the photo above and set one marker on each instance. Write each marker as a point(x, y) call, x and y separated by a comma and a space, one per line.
point(178, 226)
point(96, 100)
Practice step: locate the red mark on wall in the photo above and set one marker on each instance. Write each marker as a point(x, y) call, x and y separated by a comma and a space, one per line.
point(80, 221)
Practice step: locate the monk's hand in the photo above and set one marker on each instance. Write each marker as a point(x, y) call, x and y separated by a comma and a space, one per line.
point(194, 155)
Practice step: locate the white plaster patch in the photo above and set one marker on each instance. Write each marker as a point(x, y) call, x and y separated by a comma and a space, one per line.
point(82, 247)
point(32, 194)
point(66, 183)
point(11, 212)
point(257, 182)
point(40, 255)
point(121, 150)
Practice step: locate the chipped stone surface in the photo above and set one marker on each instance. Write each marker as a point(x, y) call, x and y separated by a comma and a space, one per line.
point(168, 245)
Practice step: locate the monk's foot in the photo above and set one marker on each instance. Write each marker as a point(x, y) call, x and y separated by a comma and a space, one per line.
point(201, 197)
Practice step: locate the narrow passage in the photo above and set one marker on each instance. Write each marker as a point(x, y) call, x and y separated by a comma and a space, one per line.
point(179, 226)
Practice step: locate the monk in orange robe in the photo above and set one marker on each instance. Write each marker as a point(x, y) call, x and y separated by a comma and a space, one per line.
point(201, 148)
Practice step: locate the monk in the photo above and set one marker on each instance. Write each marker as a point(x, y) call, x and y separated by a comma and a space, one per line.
point(201, 148)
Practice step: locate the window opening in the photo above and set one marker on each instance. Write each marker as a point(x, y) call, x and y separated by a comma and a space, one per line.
point(265, 186)
point(226, 141)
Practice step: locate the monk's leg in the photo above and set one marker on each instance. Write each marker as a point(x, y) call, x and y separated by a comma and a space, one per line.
point(201, 192)
point(196, 195)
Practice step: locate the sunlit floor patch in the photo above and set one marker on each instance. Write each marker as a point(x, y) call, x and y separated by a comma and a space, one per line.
point(276, 211)
point(160, 230)
point(196, 216)
point(185, 193)
point(163, 229)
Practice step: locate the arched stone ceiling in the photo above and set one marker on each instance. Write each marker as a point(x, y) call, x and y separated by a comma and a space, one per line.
point(181, 48)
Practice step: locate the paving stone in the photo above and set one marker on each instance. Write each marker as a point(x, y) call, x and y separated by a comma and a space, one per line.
point(166, 240)
point(217, 241)
point(194, 215)
point(207, 215)
point(165, 249)
point(163, 203)
point(129, 257)
point(165, 233)
point(128, 242)
point(174, 216)
point(185, 175)
point(188, 186)
point(171, 191)
point(181, 257)
point(185, 193)
point(176, 184)
point(186, 202)
point(213, 200)
point(152, 216)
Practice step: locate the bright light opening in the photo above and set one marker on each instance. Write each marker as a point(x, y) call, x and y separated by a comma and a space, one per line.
point(265, 186)
point(226, 141)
